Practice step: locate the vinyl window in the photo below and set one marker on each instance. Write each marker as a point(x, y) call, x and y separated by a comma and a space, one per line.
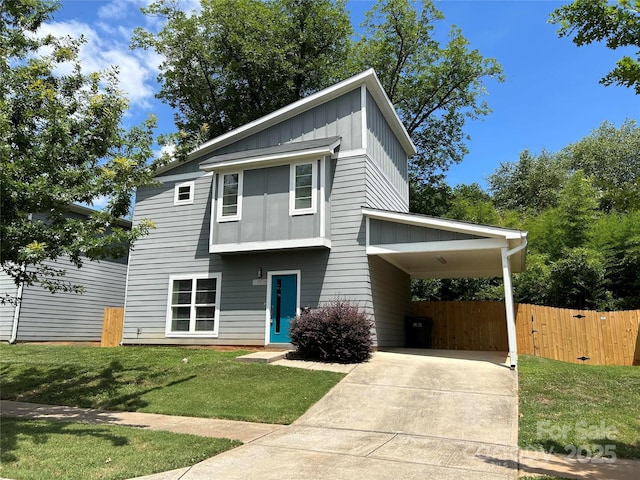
point(193, 305)
point(303, 194)
point(183, 193)
point(230, 197)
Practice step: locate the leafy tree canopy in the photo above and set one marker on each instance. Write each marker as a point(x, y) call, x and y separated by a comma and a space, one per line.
point(61, 143)
point(615, 23)
point(237, 60)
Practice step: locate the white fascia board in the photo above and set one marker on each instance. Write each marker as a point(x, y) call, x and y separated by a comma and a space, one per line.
point(445, 224)
point(390, 113)
point(272, 159)
point(437, 247)
point(270, 245)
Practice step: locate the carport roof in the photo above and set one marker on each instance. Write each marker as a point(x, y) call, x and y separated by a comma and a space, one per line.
point(432, 247)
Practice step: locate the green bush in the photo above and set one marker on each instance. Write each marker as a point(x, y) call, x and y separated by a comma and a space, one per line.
point(338, 332)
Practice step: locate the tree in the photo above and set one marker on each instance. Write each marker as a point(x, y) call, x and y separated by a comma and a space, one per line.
point(617, 24)
point(532, 184)
point(472, 204)
point(610, 157)
point(61, 143)
point(237, 60)
point(434, 88)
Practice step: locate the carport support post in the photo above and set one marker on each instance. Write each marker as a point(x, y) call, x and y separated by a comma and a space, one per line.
point(508, 305)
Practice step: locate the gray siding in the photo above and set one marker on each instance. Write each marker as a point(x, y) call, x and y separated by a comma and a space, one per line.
point(178, 245)
point(382, 194)
point(388, 155)
point(67, 316)
point(265, 210)
point(391, 291)
point(7, 289)
point(384, 233)
point(339, 117)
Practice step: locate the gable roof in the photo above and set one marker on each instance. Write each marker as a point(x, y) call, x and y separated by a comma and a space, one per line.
point(368, 78)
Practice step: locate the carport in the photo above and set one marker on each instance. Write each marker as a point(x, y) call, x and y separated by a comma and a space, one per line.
point(430, 247)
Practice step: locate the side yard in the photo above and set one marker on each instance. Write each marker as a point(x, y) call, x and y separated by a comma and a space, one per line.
point(583, 411)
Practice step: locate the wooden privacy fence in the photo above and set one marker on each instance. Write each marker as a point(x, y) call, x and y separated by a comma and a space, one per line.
point(577, 336)
point(112, 327)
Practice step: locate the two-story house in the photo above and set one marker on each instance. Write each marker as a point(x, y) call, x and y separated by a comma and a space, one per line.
point(294, 209)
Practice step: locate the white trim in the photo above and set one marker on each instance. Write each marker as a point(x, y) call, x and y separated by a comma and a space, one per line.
point(176, 193)
point(444, 224)
point(509, 308)
point(292, 188)
point(270, 245)
point(192, 333)
point(439, 246)
point(363, 109)
point(356, 152)
point(273, 159)
point(267, 303)
point(179, 177)
point(220, 194)
point(323, 200)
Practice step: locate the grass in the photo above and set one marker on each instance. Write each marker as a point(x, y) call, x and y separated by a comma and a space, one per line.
point(41, 450)
point(156, 380)
point(568, 408)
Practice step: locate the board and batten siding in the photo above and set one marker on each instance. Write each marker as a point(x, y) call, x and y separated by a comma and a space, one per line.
point(66, 316)
point(384, 233)
point(341, 116)
point(389, 157)
point(265, 210)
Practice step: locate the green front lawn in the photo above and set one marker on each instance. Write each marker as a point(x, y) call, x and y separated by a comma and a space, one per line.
point(42, 450)
point(169, 380)
point(579, 410)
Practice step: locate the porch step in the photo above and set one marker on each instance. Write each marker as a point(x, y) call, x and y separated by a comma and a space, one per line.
point(264, 356)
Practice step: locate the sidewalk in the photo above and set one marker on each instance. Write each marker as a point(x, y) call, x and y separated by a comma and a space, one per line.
point(246, 432)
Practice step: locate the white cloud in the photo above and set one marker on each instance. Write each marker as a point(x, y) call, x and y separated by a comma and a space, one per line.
point(137, 69)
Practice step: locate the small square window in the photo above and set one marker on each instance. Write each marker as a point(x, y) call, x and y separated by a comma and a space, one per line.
point(183, 193)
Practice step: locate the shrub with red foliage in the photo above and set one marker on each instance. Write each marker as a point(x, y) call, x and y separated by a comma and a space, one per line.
point(338, 332)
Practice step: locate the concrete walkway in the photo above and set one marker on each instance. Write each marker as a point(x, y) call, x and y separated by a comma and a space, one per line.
point(404, 414)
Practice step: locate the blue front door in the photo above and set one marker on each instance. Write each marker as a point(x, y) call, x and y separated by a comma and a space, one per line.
point(284, 295)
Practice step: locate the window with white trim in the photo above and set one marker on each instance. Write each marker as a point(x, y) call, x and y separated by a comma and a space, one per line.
point(230, 196)
point(302, 188)
point(194, 305)
point(183, 193)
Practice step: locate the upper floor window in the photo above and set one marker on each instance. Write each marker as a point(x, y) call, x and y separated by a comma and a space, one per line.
point(302, 190)
point(183, 193)
point(230, 196)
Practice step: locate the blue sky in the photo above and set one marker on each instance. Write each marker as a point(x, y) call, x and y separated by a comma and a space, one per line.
point(551, 96)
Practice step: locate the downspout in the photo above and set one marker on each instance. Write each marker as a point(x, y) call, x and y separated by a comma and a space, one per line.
point(508, 300)
point(16, 312)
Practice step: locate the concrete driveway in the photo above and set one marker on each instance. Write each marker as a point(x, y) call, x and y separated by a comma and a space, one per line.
point(406, 414)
